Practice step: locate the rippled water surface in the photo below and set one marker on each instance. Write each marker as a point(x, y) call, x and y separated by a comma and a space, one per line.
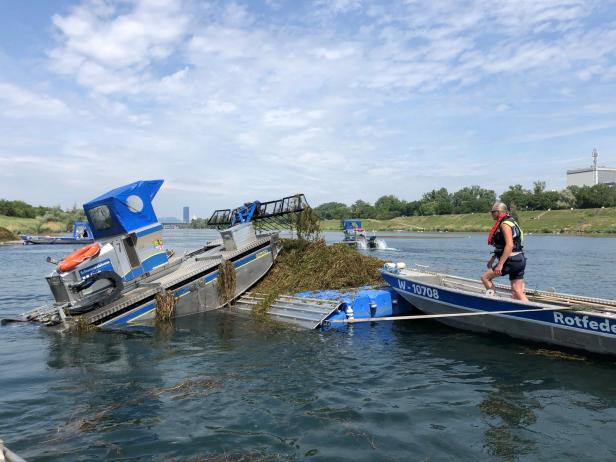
point(218, 387)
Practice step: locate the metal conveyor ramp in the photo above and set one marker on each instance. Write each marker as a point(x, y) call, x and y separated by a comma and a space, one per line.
point(304, 312)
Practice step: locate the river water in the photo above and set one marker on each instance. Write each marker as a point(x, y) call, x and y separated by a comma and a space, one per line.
point(218, 387)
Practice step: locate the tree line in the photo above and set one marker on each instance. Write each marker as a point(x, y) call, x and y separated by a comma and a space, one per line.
point(21, 209)
point(473, 199)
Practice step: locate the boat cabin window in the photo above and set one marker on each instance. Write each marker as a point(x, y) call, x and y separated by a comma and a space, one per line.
point(101, 217)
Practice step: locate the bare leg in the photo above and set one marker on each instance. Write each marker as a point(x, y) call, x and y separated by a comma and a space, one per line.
point(487, 277)
point(517, 289)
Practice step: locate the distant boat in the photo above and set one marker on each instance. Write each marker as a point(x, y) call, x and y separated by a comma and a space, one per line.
point(82, 234)
point(355, 235)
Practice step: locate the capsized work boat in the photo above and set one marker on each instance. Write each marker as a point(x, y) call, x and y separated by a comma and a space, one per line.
point(116, 280)
point(582, 323)
point(82, 234)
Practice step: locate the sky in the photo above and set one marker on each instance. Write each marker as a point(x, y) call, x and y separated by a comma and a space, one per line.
point(231, 102)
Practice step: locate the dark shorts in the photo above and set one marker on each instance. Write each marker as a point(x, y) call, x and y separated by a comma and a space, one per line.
point(514, 267)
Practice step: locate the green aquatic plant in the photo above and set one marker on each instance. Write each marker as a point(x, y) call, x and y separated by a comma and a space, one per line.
point(227, 280)
point(312, 265)
point(308, 225)
point(81, 326)
point(165, 306)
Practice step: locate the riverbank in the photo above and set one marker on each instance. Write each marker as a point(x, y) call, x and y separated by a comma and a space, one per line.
point(586, 221)
point(8, 238)
point(30, 225)
point(577, 221)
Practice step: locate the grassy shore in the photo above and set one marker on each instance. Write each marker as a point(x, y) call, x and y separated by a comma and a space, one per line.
point(556, 221)
point(7, 236)
point(29, 225)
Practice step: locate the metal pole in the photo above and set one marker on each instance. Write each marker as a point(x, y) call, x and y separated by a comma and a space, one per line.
point(595, 156)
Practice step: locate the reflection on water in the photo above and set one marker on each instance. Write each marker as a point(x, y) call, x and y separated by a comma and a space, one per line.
point(219, 386)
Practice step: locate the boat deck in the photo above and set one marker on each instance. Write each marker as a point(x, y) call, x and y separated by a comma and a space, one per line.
point(557, 319)
point(545, 298)
point(199, 262)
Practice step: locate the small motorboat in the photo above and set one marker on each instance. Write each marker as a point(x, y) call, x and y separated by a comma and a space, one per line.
point(127, 274)
point(82, 234)
point(355, 235)
point(575, 322)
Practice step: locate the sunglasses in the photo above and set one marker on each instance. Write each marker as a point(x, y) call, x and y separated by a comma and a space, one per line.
point(492, 211)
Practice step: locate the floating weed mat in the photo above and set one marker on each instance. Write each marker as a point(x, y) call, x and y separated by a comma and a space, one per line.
point(188, 388)
point(165, 306)
point(308, 225)
point(81, 326)
point(555, 354)
point(104, 418)
point(312, 265)
point(249, 456)
point(226, 283)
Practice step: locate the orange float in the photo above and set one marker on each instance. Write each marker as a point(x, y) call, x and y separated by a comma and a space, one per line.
point(79, 256)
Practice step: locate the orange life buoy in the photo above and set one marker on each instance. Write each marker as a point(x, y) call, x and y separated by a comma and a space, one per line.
point(79, 256)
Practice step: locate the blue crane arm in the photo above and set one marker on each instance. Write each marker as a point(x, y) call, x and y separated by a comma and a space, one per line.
point(244, 213)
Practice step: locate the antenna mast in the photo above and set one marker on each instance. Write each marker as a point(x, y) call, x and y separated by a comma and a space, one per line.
point(595, 156)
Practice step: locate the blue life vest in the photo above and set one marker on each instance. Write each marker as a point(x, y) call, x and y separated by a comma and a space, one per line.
point(516, 233)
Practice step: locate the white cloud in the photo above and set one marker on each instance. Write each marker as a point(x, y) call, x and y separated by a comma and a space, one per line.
point(310, 95)
point(215, 106)
point(339, 6)
point(291, 118)
point(112, 50)
point(17, 102)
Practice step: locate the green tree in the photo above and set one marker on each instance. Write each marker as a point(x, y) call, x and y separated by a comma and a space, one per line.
point(427, 208)
point(473, 199)
point(363, 209)
point(440, 200)
point(566, 199)
point(388, 207)
point(412, 208)
point(332, 210)
point(517, 196)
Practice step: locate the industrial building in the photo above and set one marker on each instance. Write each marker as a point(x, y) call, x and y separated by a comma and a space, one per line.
point(592, 175)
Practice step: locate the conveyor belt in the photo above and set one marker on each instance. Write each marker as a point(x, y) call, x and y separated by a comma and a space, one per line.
point(308, 313)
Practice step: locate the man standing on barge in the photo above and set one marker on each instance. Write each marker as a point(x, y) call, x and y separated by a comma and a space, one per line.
point(506, 236)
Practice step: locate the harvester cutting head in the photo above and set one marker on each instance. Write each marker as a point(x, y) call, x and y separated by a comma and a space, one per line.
point(268, 216)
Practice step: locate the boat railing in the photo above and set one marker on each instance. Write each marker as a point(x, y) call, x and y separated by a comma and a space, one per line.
point(541, 296)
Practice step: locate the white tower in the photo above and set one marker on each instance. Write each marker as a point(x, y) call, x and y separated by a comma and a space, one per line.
point(595, 156)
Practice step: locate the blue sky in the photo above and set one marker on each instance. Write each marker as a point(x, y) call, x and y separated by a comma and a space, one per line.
point(340, 100)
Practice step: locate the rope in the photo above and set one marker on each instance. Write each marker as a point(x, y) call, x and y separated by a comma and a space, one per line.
point(446, 315)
